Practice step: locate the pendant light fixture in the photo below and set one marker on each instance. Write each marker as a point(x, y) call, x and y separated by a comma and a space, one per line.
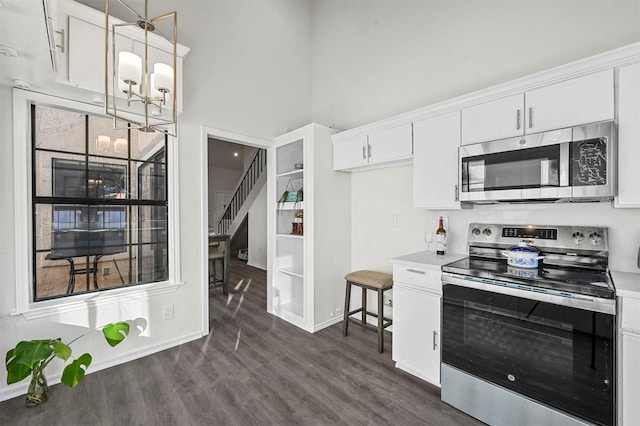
point(140, 71)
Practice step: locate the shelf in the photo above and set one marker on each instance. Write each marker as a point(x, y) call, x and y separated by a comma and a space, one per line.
point(292, 173)
point(290, 271)
point(290, 236)
point(290, 206)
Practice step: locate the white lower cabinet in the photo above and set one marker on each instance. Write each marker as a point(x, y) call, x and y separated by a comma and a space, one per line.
point(629, 367)
point(416, 321)
point(631, 379)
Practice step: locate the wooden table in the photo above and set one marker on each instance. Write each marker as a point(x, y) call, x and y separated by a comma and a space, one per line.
point(214, 241)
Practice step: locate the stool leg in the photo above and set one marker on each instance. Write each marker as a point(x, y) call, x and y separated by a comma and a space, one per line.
point(347, 299)
point(364, 305)
point(380, 320)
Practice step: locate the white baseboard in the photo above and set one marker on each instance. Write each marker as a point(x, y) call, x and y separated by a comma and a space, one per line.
point(21, 388)
point(263, 267)
point(327, 323)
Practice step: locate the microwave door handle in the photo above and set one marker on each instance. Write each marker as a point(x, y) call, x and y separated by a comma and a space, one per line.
point(564, 163)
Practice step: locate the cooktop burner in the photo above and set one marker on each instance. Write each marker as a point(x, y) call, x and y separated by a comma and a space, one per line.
point(577, 281)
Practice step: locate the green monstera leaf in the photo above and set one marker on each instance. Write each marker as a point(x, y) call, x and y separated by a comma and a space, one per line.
point(15, 371)
point(62, 351)
point(115, 333)
point(74, 372)
point(31, 352)
point(22, 359)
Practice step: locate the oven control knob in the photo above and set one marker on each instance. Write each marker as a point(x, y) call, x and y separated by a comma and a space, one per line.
point(486, 232)
point(578, 237)
point(475, 231)
point(595, 238)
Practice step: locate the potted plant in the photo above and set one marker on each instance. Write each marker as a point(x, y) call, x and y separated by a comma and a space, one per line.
point(32, 356)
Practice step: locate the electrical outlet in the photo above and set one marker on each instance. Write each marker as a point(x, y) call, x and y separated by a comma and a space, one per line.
point(106, 271)
point(167, 311)
point(394, 220)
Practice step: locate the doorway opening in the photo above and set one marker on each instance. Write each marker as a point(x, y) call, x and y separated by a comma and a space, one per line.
point(234, 195)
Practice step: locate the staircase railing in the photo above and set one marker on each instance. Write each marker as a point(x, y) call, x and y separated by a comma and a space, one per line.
point(250, 177)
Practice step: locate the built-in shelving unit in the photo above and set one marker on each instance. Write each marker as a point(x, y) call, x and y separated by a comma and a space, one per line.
point(309, 246)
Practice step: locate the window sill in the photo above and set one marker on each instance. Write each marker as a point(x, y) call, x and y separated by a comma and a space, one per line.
point(84, 302)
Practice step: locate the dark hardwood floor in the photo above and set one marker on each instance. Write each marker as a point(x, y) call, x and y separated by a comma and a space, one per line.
point(252, 369)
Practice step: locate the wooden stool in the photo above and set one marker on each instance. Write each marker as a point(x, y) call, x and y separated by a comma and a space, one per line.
point(368, 280)
point(213, 276)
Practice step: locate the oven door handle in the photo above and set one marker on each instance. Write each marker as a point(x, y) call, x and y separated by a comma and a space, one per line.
point(589, 303)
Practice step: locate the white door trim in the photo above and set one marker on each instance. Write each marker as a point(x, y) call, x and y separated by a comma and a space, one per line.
point(205, 134)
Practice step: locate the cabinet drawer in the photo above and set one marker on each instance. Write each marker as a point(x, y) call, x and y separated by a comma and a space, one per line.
point(420, 278)
point(630, 312)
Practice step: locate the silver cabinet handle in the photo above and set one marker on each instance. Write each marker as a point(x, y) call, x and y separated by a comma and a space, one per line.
point(368, 150)
point(364, 152)
point(435, 340)
point(416, 271)
point(530, 117)
point(61, 45)
point(518, 119)
point(455, 192)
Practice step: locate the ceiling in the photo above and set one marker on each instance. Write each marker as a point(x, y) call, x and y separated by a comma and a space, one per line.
point(221, 154)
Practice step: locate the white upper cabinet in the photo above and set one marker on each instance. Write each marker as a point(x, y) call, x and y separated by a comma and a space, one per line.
point(435, 159)
point(389, 146)
point(571, 102)
point(350, 153)
point(81, 59)
point(628, 137)
point(499, 119)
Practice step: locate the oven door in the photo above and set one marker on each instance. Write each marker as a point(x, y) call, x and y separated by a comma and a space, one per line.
point(561, 356)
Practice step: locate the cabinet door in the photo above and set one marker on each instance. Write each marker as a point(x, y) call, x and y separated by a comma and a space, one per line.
point(86, 55)
point(630, 379)
point(350, 153)
point(628, 137)
point(416, 332)
point(391, 144)
point(435, 162)
point(576, 101)
point(499, 119)
point(86, 60)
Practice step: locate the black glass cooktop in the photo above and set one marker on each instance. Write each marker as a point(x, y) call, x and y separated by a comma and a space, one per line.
point(578, 281)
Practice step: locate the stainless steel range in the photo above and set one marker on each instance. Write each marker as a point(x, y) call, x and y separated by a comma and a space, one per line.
point(531, 345)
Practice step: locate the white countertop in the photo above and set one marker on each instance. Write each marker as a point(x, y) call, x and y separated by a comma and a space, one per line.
point(627, 284)
point(422, 258)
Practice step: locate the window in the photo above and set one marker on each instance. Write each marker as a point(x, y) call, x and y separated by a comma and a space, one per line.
point(99, 204)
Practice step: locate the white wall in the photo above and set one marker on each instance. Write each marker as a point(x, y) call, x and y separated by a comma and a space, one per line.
point(381, 194)
point(376, 59)
point(258, 231)
point(220, 180)
point(623, 225)
point(248, 73)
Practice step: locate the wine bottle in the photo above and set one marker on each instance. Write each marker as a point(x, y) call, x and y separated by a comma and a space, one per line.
point(441, 238)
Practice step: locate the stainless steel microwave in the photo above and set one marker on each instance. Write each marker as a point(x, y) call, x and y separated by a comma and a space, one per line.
point(572, 164)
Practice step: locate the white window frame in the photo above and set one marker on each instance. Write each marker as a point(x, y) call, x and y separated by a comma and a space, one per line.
point(22, 152)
